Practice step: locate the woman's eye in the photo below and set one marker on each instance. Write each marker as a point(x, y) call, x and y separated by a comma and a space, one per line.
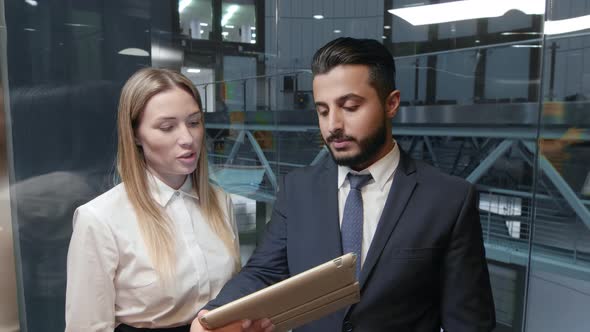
point(194, 123)
point(166, 128)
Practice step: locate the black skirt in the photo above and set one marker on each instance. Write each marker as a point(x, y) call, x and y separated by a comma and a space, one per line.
point(127, 328)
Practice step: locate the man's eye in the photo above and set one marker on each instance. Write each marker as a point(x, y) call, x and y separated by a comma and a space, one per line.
point(350, 107)
point(322, 112)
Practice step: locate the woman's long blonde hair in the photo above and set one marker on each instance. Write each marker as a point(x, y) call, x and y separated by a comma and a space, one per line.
point(156, 228)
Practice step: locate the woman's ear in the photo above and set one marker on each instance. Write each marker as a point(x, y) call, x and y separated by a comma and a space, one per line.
point(137, 141)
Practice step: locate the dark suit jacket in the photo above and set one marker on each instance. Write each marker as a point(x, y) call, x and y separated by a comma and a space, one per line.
point(425, 268)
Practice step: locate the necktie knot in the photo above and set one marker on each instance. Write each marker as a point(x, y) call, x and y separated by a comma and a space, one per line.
point(357, 181)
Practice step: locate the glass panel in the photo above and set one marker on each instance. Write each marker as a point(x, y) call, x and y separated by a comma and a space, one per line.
point(238, 21)
point(196, 18)
point(559, 280)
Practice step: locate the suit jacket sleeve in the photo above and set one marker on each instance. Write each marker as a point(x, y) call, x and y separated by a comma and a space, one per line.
point(467, 303)
point(268, 264)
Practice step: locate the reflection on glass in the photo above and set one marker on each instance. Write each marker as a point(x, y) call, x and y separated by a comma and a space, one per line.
point(238, 21)
point(196, 18)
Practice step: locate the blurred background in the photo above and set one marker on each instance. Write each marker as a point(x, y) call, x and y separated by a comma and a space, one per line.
point(495, 92)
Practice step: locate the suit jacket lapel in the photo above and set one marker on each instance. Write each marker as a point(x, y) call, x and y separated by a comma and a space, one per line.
point(404, 182)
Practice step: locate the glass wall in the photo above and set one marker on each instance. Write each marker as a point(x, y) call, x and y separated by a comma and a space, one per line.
point(486, 96)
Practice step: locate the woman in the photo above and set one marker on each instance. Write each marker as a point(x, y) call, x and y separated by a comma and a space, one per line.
point(154, 249)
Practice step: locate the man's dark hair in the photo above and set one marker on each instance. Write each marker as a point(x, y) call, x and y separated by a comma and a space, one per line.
point(351, 51)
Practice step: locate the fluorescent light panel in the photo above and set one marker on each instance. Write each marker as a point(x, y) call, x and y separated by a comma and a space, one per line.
point(182, 4)
point(228, 15)
point(466, 10)
point(567, 25)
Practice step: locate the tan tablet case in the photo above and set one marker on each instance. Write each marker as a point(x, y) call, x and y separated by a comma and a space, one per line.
point(295, 301)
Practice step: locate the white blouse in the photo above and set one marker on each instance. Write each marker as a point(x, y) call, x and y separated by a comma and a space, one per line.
point(111, 279)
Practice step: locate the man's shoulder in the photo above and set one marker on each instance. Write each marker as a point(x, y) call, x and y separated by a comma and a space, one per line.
point(431, 176)
point(311, 171)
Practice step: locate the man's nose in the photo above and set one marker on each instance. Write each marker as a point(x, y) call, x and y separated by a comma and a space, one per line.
point(335, 120)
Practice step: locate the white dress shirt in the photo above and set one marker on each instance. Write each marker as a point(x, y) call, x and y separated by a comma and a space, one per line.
point(111, 279)
point(374, 193)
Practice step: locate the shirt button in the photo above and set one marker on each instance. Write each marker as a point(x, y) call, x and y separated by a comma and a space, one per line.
point(347, 326)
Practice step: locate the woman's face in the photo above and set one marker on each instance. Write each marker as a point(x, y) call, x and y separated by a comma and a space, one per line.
point(170, 133)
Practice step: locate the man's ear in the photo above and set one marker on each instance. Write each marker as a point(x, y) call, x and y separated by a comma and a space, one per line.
point(392, 104)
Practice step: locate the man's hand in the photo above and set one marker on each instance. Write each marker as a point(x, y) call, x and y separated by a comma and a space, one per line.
point(261, 325)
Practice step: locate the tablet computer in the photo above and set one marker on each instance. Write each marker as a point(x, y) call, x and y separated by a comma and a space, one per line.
point(300, 299)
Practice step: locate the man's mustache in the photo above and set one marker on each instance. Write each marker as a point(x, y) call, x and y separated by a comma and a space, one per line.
point(340, 137)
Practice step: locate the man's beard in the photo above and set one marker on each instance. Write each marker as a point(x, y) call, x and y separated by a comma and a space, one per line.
point(369, 147)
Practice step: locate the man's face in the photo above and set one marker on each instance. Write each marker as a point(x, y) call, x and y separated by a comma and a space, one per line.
point(352, 118)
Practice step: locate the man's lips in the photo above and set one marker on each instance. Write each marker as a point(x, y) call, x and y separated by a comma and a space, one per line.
point(340, 143)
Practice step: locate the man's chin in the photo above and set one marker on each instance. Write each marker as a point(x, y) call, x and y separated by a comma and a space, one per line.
point(345, 159)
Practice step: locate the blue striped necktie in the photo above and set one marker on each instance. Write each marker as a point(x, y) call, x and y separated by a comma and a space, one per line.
point(352, 218)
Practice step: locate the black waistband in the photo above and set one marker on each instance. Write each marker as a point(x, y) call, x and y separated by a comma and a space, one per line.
point(127, 328)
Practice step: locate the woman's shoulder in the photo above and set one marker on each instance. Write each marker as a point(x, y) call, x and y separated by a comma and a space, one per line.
point(115, 200)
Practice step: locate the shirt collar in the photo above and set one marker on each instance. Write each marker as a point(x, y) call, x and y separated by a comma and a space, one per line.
point(381, 171)
point(162, 193)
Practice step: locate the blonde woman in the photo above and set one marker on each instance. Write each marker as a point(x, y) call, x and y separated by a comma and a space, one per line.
point(149, 253)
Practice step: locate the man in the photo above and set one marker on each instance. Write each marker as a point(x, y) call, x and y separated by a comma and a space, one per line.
point(423, 264)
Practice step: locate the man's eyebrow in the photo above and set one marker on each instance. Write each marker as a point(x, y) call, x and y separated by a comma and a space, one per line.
point(321, 103)
point(350, 96)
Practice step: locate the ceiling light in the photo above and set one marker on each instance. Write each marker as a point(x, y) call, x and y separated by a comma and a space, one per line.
point(519, 33)
point(466, 10)
point(203, 24)
point(318, 17)
point(229, 26)
point(383, 37)
point(253, 35)
point(567, 25)
point(526, 46)
point(252, 28)
point(225, 33)
point(30, 29)
point(253, 41)
point(31, 2)
point(193, 70)
point(182, 4)
point(201, 31)
point(134, 52)
point(337, 31)
point(228, 15)
point(386, 27)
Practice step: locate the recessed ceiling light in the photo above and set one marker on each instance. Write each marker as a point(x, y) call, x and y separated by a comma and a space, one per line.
point(253, 41)
point(203, 24)
point(254, 35)
point(337, 31)
point(193, 70)
point(386, 27)
point(134, 52)
point(318, 17)
point(225, 33)
point(229, 26)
